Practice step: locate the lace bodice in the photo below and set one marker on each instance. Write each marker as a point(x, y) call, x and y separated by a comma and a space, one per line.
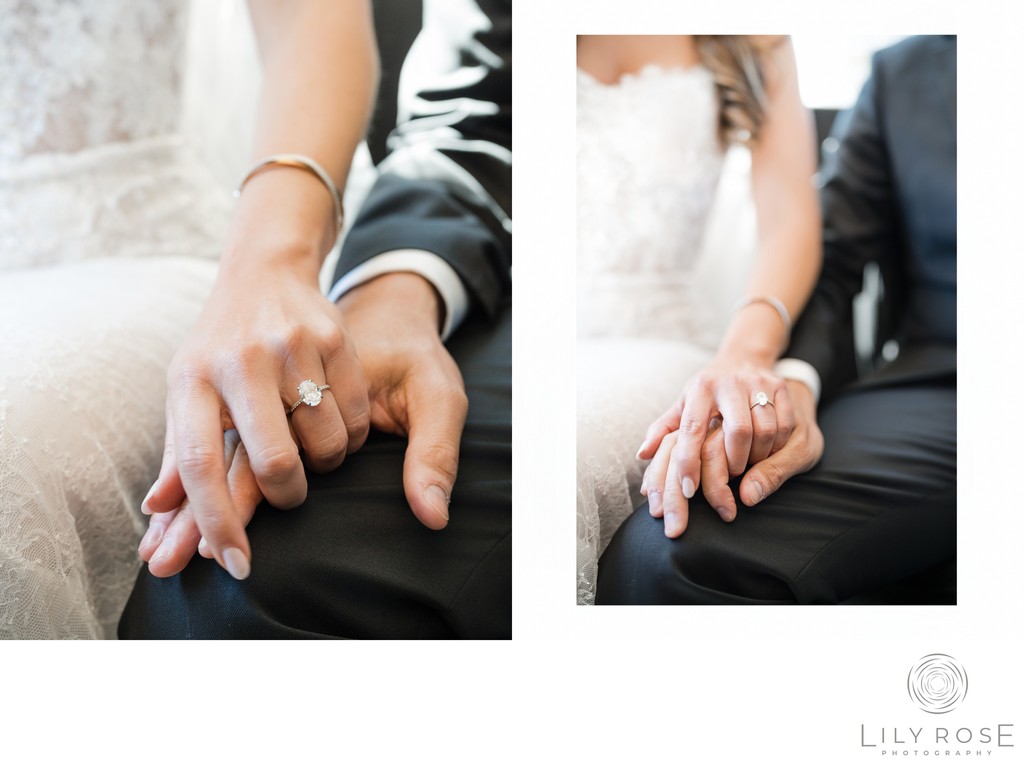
point(648, 162)
point(91, 164)
point(79, 73)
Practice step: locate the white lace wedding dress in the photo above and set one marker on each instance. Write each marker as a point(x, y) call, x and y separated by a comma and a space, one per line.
point(109, 233)
point(648, 162)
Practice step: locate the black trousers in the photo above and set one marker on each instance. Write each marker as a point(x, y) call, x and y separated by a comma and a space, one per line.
point(352, 561)
point(877, 511)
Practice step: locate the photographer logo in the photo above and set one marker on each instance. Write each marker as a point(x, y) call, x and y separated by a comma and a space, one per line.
point(937, 683)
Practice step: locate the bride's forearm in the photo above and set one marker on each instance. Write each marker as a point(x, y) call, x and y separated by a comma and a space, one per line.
point(788, 219)
point(786, 269)
point(320, 74)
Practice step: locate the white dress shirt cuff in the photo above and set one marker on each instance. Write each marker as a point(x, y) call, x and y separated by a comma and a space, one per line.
point(428, 265)
point(798, 369)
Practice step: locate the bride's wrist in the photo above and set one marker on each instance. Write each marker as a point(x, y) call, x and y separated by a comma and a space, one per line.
point(755, 335)
point(283, 218)
point(736, 355)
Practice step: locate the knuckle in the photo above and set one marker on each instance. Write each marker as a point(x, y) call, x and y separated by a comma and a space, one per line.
point(691, 426)
point(683, 459)
point(740, 430)
point(702, 382)
point(332, 338)
point(276, 464)
point(815, 444)
point(249, 356)
point(459, 400)
point(186, 375)
point(289, 343)
point(453, 395)
point(773, 476)
point(442, 457)
point(214, 526)
point(197, 459)
point(329, 450)
point(716, 493)
point(358, 425)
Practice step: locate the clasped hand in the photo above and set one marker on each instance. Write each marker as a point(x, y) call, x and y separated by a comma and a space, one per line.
point(716, 431)
point(229, 444)
point(230, 440)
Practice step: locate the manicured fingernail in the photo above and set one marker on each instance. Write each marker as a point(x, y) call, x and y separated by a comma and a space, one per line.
point(145, 501)
point(161, 552)
point(759, 492)
point(235, 562)
point(724, 513)
point(152, 537)
point(654, 503)
point(688, 488)
point(673, 524)
point(642, 448)
point(437, 499)
point(203, 548)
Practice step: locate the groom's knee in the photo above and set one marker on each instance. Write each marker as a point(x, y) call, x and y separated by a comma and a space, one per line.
point(706, 565)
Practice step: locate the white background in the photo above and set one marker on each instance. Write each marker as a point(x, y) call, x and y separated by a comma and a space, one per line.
point(701, 685)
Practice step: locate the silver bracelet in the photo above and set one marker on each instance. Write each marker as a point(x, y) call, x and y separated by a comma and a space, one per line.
point(301, 162)
point(772, 301)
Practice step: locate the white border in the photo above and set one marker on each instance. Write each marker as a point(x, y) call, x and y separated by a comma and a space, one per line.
point(701, 685)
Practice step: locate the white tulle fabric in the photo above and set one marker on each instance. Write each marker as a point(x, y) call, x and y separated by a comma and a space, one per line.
point(648, 162)
point(109, 232)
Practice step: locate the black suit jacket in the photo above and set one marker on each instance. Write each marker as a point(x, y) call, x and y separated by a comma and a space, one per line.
point(889, 196)
point(446, 185)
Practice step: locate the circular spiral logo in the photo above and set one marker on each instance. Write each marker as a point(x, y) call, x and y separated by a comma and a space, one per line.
point(937, 683)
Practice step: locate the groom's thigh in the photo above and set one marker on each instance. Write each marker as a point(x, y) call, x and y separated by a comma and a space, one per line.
point(880, 507)
point(353, 561)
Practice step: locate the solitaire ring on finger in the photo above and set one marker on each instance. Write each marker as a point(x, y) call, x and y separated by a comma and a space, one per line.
point(309, 393)
point(761, 400)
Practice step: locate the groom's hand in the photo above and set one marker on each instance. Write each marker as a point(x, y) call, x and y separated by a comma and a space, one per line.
point(416, 389)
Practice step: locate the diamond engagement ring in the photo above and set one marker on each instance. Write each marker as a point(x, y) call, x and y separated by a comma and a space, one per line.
point(309, 393)
point(761, 400)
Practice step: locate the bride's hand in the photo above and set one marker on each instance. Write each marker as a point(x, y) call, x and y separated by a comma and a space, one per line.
point(261, 333)
point(173, 537)
point(661, 482)
point(751, 431)
point(802, 451)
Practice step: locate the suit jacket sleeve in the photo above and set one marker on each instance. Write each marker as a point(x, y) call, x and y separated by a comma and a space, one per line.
point(446, 184)
point(860, 225)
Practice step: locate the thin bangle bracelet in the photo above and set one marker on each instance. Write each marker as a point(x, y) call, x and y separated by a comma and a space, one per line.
point(302, 163)
point(772, 301)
